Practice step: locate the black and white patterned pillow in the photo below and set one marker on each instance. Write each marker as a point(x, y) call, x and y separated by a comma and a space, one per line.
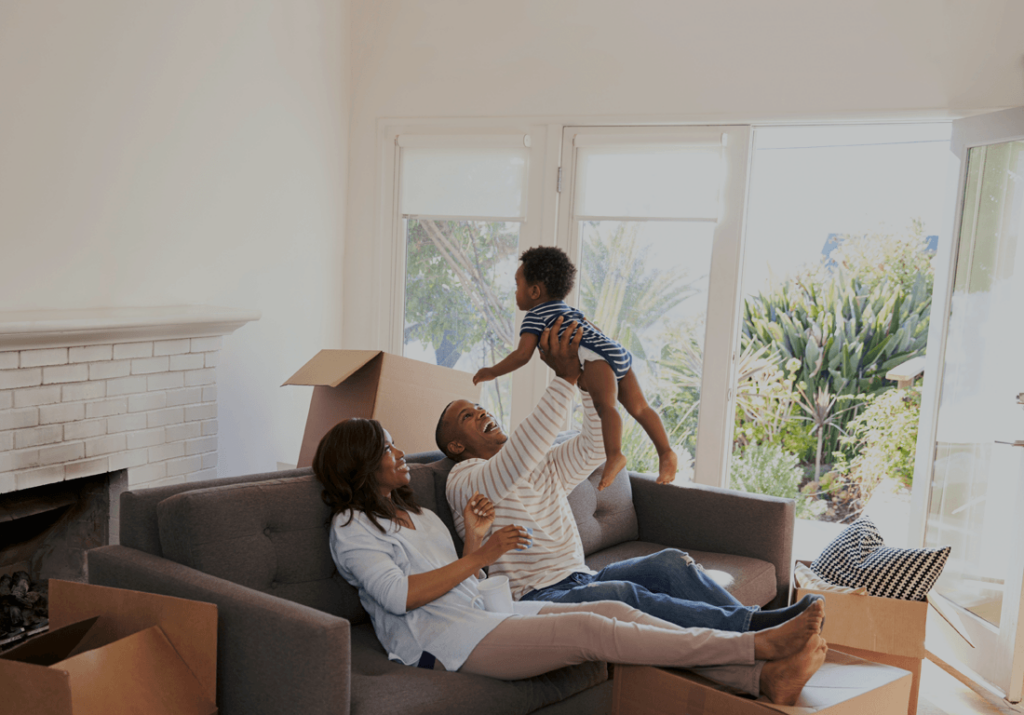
point(858, 557)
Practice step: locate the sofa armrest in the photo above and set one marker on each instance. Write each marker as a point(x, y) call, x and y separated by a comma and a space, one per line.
point(273, 655)
point(693, 516)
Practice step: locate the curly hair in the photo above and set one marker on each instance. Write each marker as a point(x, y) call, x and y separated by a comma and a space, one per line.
point(346, 464)
point(550, 267)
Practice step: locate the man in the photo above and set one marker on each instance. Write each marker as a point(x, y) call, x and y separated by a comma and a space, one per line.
point(529, 481)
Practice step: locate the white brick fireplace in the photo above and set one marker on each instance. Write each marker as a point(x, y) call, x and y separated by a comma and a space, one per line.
point(89, 392)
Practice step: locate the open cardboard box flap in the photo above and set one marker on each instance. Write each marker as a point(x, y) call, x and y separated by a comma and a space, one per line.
point(114, 650)
point(331, 367)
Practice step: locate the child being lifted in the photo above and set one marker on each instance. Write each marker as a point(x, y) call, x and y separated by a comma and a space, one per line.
point(544, 278)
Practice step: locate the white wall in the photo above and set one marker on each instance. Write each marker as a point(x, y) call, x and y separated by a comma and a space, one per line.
point(594, 61)
point(185, 151)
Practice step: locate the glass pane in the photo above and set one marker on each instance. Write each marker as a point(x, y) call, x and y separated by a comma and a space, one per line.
point(645, 284)
point(974, 496)
point(471, 182)
point(649, 182)
point(460, 299)
point(842, 225)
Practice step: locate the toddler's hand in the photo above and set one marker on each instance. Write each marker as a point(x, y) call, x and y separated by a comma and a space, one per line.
point(484, 374)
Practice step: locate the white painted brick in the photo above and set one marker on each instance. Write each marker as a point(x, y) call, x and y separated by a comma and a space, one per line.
point(200, 412)
point(202, 345)
point(60, 453)
point(126, 385)
point(210, 427)
point(17, 419)
point(63, 412)
point(170, 347)
point(106, 408)
point(185, 465)
point(203, 475)
point(105, 445)
point(210, 394)
point(37, 396)
point(9, 360)
point(41, 476)
point(108, 370)
point(147, 401)
point(212, 359)
point(133, 350)
point(201, 377)
point(65, 373)
point(7, 441)
point(210, 460)
point(83, 391)
point(13, 379)
point(147, 366)
point(91, 353)
point(188, 396)
point(35, 436)
point(22, 459)
point(8, 483)
point(200, 446)
point(47, 356)
point(87, 468)
point(171, 416)
point(189, 361)
point(125, 423)
point(188, 430)
point(165, 381)
point(138, 476)
point(82, 430)
point(6, 400)
point(146, 438)
point(125, 460)
point(166, 451)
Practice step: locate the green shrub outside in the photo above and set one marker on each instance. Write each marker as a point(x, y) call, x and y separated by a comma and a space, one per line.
point(769, 469)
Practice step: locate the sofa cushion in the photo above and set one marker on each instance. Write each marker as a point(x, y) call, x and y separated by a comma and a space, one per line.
point(380, 686)
point(751, 581)
point(604, 518)
point(270, 536)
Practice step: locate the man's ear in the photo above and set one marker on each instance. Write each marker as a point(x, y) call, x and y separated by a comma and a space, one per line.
point(455, 447)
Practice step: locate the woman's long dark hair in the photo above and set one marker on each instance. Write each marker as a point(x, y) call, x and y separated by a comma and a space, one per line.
point(346, 463)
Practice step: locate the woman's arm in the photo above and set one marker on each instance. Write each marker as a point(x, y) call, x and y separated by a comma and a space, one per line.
point(515, 360)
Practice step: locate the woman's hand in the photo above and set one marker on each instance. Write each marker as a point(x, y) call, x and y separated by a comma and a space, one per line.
point(503, 540)
point(478, 516)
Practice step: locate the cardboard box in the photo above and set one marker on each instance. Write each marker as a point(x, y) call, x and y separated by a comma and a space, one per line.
point(882, 630)
point(844, 685)
point(110, 650)
point(404, 395)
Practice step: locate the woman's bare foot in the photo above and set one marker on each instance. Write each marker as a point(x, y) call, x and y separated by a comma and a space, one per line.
point(782, 680)
point(789, 638)
point(668, 465)
point(614, 465)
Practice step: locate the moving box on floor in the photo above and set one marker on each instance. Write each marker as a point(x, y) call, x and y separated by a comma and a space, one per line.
point(883, 630)
point(404, 395)
point(845, 685)
point(110, 650)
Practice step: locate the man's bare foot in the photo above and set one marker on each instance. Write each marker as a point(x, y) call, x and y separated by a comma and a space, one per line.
point(668, 465)
point(785, 640)
point(614, 465)
point(782, 680)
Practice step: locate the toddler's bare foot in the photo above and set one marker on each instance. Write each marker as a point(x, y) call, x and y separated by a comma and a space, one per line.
point(615, 464)
point(668, 464)
point(785, 640)
point(782, 680)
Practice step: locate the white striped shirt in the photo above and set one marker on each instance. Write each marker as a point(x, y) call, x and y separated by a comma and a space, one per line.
point(529, 482)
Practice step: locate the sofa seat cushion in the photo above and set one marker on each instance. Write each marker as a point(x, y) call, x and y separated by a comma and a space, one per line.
point(380, 686)
point(750, 581)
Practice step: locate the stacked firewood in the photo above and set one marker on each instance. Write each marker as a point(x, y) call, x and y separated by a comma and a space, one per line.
point(23, 604)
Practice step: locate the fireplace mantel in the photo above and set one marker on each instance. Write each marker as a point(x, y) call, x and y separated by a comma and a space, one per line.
point(31, 329)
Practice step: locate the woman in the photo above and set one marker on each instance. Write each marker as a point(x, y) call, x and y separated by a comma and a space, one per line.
point(420, 594)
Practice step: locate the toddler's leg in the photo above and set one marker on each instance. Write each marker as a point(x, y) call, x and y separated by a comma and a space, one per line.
point(603, 389)
point(632, 398)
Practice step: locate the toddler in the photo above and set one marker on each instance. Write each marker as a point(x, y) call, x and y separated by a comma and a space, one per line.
point(543, 279)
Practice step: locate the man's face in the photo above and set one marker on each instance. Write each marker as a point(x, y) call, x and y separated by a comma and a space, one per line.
point(473, 429)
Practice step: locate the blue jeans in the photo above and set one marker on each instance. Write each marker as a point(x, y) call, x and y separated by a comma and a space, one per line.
point(668, 585)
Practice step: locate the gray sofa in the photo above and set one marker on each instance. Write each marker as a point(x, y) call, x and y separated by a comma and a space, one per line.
point(293, 638)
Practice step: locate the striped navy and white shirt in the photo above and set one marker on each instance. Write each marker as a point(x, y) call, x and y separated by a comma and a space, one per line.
point(529, 482)
point(543, 315)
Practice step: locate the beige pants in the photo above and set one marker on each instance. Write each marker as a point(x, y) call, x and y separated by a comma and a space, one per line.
point(569, 633)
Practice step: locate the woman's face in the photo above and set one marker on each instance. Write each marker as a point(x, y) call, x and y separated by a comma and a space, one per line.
point(393, 472)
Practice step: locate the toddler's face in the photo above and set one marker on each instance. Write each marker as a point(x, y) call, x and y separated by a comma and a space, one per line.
point(523, 300)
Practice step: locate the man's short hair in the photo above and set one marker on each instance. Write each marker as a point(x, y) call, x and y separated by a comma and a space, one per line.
point(441, 434)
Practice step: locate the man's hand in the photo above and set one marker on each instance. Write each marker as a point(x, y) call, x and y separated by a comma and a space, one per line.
point(562, 353)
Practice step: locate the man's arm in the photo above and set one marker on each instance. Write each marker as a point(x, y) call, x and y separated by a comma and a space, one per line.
point(576, 458)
